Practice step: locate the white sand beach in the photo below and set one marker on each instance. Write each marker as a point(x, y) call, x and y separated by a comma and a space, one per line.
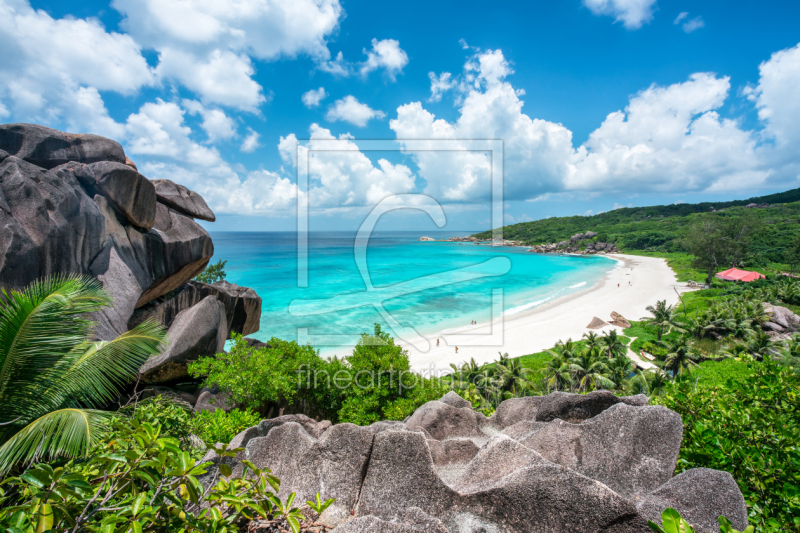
point(628, 290)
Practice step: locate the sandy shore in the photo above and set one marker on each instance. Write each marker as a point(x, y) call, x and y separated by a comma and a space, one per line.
point(628, 290)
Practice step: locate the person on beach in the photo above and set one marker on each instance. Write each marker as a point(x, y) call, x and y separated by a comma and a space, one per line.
point(437, 342)
point(456, 349)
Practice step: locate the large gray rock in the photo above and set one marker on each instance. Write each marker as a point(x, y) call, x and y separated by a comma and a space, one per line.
point(530, 497)
point(48, 148)
point(440, 421)
point(70, 205)
point(633, 450)
point(242, 305)
point(210, 400)
point(155, 261)
point(129, 192)
point(334, 464)
point(702, 495)
point(575, 408)
point(311, 426)
point(183, 200)
point(411, 520)
point(198, 331)
point(446, 471)
point(48, 225)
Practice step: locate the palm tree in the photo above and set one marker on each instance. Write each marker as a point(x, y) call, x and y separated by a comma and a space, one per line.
point(790, 355)
point(663, 317)
point(680, 356)
point(761, 344)
point(592, 339)
point(736, 350)
point(619, 370)
point(650, 383)
point(512, 376)
point(465, 375)
point(589, 370)
point(612, 344)
point(558, 373)
point(52, 375)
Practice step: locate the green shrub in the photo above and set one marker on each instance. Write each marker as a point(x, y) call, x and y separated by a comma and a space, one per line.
point(256, 377)
point(219, 426)
point(174, 417)
point(212, 273)
point(750, 428)
point(140, 482)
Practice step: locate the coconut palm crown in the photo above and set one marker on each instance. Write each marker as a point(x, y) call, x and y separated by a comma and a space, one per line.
point(53, 377)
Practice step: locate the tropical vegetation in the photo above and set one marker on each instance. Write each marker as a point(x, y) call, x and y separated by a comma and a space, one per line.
point(53, 377)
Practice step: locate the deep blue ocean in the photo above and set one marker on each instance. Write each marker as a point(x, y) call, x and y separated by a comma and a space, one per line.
point(430, 286)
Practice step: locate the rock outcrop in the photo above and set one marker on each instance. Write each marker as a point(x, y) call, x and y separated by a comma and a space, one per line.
point(197, 331)
point(48, 148)
point(76, 204)
point(183, 200)
point(619, 320)
point(782, 319)
point(562, 462)
point(574, 246)
point(242, 305)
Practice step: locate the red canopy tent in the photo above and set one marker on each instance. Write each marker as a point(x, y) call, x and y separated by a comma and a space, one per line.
point(734, 274)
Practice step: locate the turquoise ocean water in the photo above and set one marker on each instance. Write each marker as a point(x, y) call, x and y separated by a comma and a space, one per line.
point(420, 283)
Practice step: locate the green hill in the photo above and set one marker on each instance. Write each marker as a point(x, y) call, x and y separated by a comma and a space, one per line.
point(660, 228)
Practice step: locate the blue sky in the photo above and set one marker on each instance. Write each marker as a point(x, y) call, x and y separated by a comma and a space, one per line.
point(600, 103)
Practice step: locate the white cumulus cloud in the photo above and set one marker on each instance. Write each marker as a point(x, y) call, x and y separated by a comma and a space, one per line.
point(632, 13)
point(385, 54)
point(349, 109)
point(250, 142)
point(216, 124)
point(313, 97)
point(208, 45)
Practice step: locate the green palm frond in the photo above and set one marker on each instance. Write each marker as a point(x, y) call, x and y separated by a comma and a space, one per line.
point(37, 326)
point(66, 432)
point(49, 370)
point(94, 371)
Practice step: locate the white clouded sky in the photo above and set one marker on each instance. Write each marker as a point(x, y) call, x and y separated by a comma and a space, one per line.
point(193, 90)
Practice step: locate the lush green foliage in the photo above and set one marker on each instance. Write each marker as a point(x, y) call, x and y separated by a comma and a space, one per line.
point(666, 228)
point(374, 383)
point(212, 273)
point(221, 426)
point(142, 481)
point(751, 428)
point(52, 374)
point(256, 377)
point(673, 522)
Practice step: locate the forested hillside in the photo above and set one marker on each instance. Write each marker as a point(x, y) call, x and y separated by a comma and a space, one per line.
point(773, 230)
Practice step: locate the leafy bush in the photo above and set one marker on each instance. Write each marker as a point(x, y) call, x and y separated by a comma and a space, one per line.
point(383, 387)
point(673, 522)
point(750, 428)
point(140, 482)
point(212, 273)
point(256, 377)
point(174, 417)
point(219, 426)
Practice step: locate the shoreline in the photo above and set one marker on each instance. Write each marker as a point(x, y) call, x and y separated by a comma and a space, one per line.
point(641, 282)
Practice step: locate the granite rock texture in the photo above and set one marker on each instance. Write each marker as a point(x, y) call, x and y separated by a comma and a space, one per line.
point(74, 204)
point(606, 466)
point(197, 331)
